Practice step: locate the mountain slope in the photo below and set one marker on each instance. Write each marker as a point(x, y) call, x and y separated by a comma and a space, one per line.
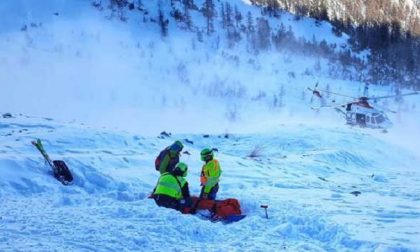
point(70, 62)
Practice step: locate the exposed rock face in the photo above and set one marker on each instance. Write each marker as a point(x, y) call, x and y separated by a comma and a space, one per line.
point(404, 12)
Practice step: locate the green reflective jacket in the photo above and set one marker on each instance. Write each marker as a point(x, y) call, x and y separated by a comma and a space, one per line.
point(168, 185)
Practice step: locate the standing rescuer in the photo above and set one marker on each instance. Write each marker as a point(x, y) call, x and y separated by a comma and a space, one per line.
point(210, 175)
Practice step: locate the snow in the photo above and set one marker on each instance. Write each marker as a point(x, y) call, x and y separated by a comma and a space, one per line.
point(305, 177)
point(111, 87)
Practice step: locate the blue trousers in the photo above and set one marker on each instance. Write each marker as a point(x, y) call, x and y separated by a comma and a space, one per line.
point(212, 194)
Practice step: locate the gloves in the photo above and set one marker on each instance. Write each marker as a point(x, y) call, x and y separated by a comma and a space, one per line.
point(204, 196)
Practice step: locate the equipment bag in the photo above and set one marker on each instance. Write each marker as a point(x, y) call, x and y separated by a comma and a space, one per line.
point(227, 208)
point(219, 208)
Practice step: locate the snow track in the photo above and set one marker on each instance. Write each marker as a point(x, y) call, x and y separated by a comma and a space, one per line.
point(305, 177)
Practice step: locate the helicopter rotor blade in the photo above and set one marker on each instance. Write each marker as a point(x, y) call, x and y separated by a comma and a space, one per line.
point(386, 109)
point(320, 107)
point(312, 96)
point(390, 96)
point(338, 109)
point(329, 92)
point(331, 105)
point(315, 92)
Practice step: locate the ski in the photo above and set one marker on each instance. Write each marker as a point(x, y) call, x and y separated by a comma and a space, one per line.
point(60, 170)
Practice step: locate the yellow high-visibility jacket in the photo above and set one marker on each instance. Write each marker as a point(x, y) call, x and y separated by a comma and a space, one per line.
point(210, 175)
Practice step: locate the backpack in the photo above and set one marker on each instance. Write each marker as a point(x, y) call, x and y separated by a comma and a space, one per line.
point(160, 158)
point(62, 171)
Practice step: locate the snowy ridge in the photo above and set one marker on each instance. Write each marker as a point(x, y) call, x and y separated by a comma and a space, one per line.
point(305, 177)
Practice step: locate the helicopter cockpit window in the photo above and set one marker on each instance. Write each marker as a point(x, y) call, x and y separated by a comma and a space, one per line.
point(379, 118)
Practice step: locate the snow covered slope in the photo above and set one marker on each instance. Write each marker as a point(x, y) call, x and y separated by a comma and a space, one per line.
point(69, 61)
point(305, 176)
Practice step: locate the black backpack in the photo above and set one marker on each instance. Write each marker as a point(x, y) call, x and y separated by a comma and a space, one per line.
point(63, 173)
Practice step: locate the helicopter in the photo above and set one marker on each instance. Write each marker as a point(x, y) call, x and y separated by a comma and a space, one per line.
point(359, 112)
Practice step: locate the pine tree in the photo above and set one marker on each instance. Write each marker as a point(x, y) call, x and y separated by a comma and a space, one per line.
point(187, 16)
point(238, 17)
point(233, 34)
point(272, 7)
point(229, 19)
point(275, 101)
point(163, 23)
point(263, 32)
point(188, 3)
point(317, 66)
point(223, 14)
point(117, 8)
point(282, 94)
point(250, 33)
point(209, 12)
point(279, 37)
point(249, 22)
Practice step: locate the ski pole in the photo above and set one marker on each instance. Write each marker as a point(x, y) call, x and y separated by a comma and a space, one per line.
point(265, 208)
